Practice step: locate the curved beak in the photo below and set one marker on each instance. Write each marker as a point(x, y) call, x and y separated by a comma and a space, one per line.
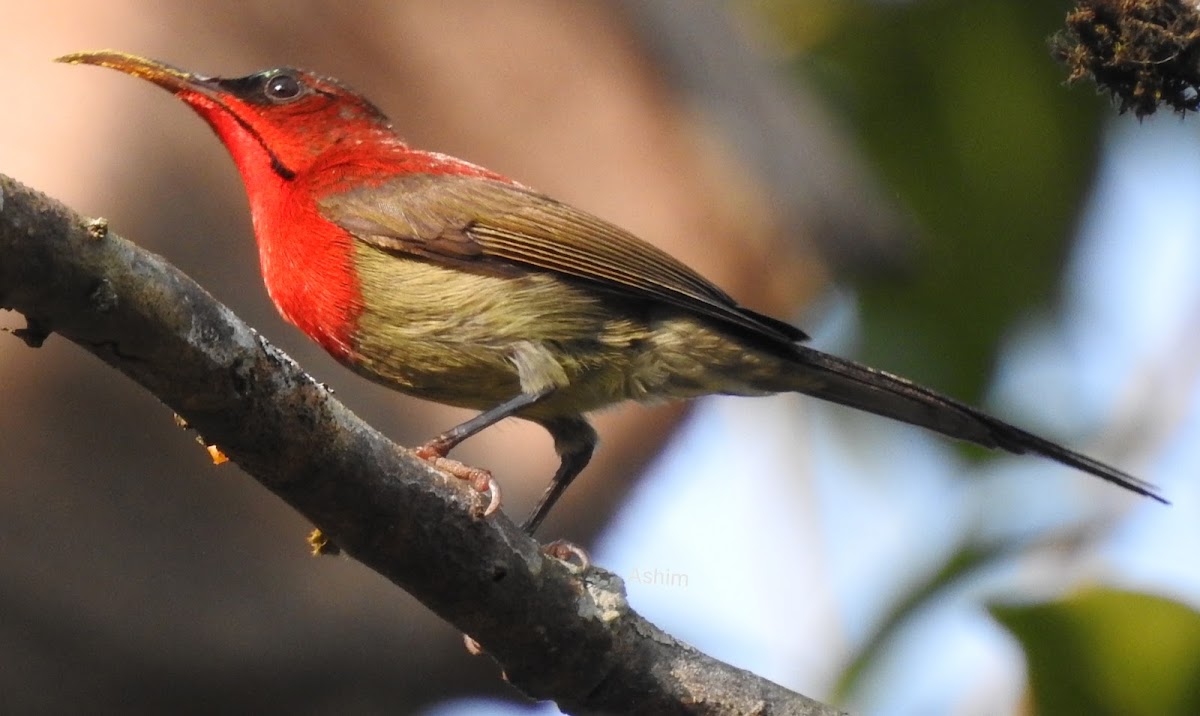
point(165, 76)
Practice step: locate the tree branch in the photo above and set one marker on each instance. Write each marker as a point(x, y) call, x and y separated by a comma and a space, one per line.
point(557, 633)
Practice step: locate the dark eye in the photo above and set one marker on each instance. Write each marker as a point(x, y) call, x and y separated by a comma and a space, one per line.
point(283, 87)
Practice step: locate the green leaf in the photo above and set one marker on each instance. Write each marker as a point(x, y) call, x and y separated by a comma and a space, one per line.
point(1109, 652)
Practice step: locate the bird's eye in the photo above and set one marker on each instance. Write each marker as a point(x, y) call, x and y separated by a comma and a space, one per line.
point(282, 87)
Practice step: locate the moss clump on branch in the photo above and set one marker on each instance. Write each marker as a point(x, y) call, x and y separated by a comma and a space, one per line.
point(1145, 53)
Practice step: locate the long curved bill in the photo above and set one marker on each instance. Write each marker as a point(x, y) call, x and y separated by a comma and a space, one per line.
point(169, 78)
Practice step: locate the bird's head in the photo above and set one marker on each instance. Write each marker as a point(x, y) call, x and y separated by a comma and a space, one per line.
point(281, 120)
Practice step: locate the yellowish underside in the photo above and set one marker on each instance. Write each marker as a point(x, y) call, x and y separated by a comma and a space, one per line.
point(476, 340)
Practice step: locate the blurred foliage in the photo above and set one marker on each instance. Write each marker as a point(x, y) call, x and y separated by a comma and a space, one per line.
point(959, 566)
point(964, 114)
point(1110, 652)
point(962, 111)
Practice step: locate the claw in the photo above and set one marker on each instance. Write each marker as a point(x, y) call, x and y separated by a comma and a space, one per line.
point(493, 488)
point(568, 552)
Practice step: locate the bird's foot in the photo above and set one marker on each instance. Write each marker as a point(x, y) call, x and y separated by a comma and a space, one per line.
point(481, 480)
point(568, 552)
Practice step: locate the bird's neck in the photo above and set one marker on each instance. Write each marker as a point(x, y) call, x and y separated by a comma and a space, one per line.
point(307, 266)
point(306, 262)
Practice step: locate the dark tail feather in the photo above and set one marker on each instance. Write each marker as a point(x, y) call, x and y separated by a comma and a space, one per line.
point(849, 383)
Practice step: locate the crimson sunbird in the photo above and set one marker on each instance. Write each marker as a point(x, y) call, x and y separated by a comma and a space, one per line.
point(450, 282)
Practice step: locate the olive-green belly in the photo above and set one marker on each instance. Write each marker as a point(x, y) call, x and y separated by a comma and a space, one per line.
point(476, 340)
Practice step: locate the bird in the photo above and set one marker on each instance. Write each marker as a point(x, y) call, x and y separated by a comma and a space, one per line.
point(450, 282)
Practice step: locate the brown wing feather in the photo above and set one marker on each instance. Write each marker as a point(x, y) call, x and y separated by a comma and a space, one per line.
point(492, 224)
point(501, 227)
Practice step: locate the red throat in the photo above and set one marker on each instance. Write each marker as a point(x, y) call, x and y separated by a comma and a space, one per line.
point(305, 260)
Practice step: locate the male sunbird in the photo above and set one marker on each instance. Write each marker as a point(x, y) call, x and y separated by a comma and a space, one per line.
point(450, 282)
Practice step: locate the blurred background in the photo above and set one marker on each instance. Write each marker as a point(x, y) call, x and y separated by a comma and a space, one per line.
point(909, 181)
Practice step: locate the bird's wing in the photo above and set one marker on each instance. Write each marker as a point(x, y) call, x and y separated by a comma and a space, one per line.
point(489, 225)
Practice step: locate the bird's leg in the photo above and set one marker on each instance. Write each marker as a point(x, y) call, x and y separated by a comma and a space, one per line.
point(574, 441)
point(436, 449)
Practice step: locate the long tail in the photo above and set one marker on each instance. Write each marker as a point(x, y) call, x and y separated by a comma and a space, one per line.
point(849, 383)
